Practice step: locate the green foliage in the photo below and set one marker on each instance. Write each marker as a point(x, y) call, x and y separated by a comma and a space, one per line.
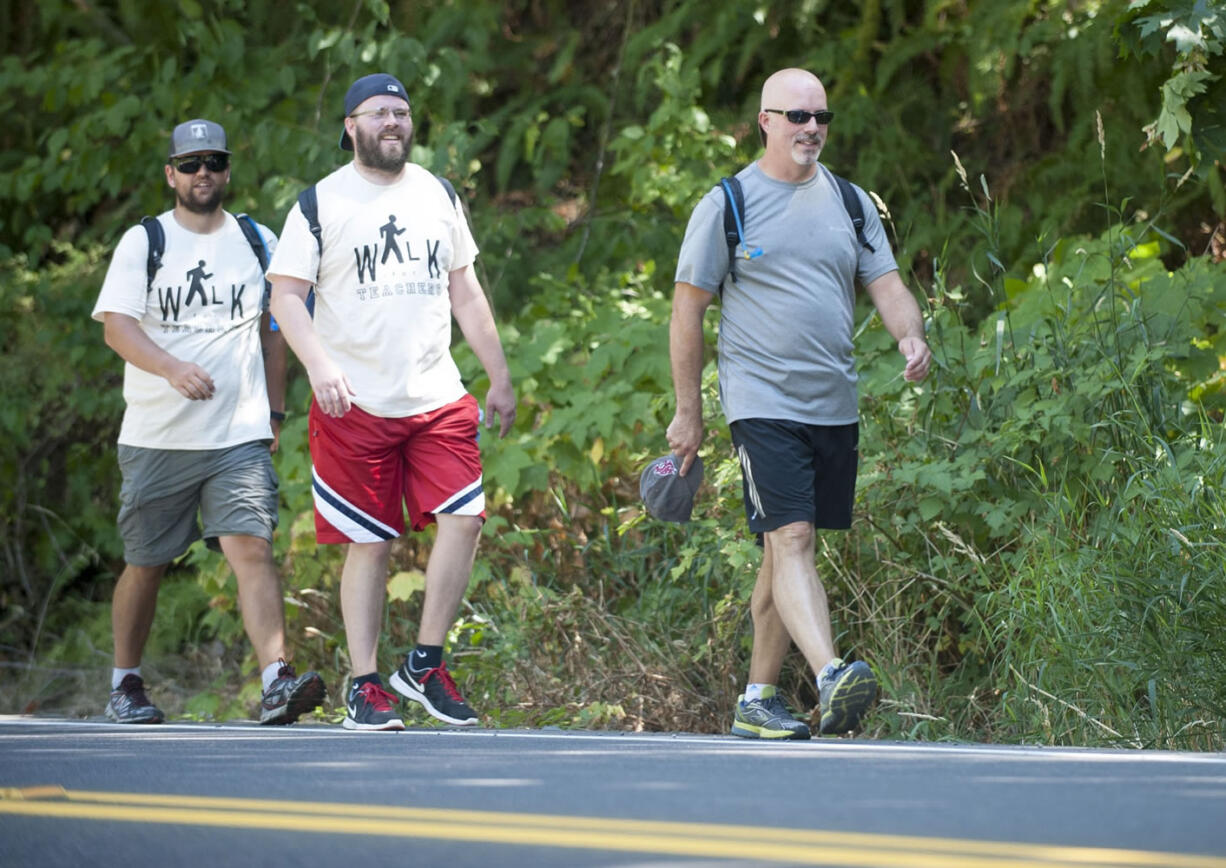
point(60, 414)
point(1035, 555)
point(1048, 502)
point(1193, 95)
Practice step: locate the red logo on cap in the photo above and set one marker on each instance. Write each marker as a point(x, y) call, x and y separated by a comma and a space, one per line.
point(666, 468)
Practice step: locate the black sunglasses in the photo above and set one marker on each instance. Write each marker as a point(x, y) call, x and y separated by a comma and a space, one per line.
point(212, 162)
point(800, 117)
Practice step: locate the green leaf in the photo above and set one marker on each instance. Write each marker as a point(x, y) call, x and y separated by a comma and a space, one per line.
point(405, 584)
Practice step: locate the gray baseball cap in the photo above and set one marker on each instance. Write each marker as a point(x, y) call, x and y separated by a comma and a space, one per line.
point(667, 495)
point(197, 136)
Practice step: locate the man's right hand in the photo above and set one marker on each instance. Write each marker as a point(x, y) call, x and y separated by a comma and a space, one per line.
point(684, 437)
point(190, 380)
point(333, 393)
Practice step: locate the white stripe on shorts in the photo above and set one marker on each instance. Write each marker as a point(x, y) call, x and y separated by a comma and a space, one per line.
point(467, 501)
point(347, 518)
point(758, 511)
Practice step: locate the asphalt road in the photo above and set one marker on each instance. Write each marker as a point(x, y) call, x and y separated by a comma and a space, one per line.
point(76, 793)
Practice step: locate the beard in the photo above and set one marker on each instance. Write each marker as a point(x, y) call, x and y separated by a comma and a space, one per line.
point(371, 150)
point(207, 205)
point(801, 153)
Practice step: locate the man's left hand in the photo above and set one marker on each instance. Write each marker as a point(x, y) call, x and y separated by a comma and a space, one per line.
point(918, 357)
point(500, 402)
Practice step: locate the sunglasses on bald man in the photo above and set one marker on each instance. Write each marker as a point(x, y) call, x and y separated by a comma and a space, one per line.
point(800, 117)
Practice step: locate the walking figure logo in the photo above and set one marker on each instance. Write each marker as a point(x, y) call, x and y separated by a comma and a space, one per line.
point(197, 277)
point(390, 232)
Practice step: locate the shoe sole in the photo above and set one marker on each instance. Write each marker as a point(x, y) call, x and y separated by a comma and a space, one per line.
point(406, 689)
point(308, 697)
point(748, 730)
point(353, 726)
point(850, 698)
point(158, 718)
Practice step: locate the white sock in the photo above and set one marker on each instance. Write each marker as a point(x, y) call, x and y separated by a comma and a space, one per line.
point(269, 675)
point(758, 691)
point(118, 674)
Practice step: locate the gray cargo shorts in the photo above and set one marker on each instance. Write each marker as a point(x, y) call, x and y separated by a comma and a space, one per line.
point(167, 494)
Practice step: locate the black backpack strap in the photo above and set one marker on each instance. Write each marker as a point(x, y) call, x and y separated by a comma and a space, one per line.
point(734, 210)
point(258, 247)
point(308, 204)
point(855, 209)
point(447, 186)
point(157, 246)
point(734, 223)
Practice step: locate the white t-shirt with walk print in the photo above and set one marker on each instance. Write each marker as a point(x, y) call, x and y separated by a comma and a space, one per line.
point(204, 307)
point(382, 306)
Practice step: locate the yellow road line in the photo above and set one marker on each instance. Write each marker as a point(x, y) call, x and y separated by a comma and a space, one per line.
point(797, 846)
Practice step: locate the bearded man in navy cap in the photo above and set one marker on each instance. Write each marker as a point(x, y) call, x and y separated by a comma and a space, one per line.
point(390, 255)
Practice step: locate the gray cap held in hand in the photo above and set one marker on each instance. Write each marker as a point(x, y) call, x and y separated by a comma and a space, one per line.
point(667, 495)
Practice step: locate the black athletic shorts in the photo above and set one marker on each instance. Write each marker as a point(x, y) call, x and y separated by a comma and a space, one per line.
point(795, 472)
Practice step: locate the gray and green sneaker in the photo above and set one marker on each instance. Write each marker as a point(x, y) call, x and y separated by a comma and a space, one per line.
point(766, 718)
point(847, 690)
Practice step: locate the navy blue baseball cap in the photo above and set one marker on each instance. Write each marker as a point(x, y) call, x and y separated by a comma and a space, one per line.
point(363, 89)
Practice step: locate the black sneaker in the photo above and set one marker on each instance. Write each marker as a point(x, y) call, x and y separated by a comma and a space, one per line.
point(371, 708)
point(291, 695)
point(129, 704)
point(846, 693)
point(435, 689)
point(766, 718)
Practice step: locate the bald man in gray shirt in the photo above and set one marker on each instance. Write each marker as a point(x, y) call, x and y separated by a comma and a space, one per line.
point(787, 384)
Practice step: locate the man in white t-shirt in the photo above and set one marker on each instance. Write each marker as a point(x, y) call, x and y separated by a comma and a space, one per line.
point(204, 384)
point(391, 424)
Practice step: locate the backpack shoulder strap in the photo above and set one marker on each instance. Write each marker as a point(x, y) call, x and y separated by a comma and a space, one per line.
point(157, 246)
point(734, 210)
point(308, 204)
point(855, 209)
point(448, 187)
point(254, 238)
point(734, 223)
point(258, 247)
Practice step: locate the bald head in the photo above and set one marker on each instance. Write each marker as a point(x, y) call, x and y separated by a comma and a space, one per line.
point(782, 87)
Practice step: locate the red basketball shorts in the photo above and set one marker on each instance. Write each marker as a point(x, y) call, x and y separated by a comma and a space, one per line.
point(369, 469)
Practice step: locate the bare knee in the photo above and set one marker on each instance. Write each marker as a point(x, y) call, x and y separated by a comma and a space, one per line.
point(246, 549)
point(466, 528)
point(143, 577)
point(797, 536)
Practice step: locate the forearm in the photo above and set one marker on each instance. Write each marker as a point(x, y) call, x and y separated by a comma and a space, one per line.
point(481, 334)
point(476, 321)
point(900, 313)
point(686, 349)
point(124, 335)
point(273, 345)
point(288, 306)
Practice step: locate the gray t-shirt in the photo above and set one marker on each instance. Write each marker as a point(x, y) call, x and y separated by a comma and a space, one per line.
point(785, 333)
